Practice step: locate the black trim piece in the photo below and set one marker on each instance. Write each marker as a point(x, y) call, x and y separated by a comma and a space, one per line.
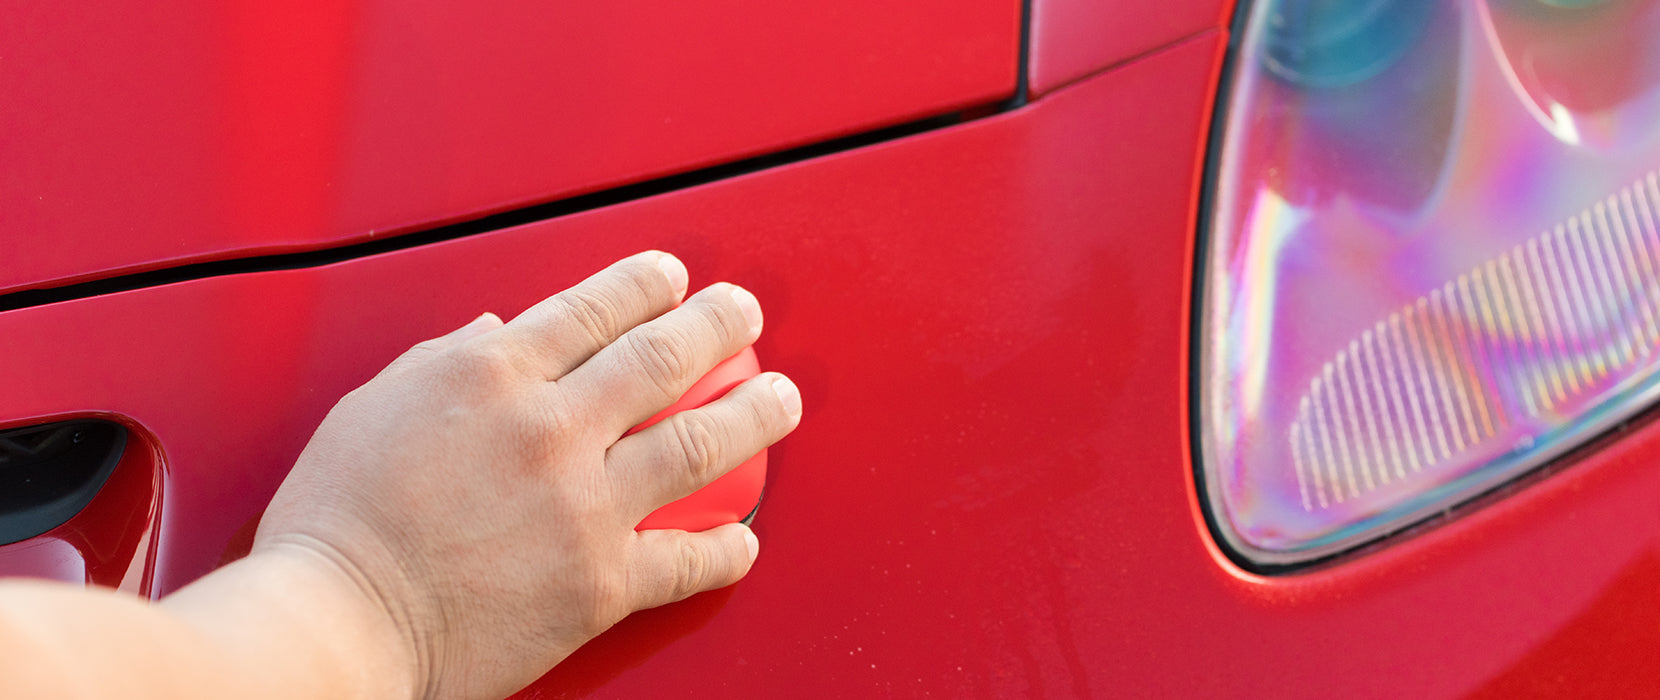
point(1022, 79)
point(750, 519)
point(48, 473)
point(515, 217)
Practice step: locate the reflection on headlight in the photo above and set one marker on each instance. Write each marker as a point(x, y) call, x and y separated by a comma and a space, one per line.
point(1433, 258)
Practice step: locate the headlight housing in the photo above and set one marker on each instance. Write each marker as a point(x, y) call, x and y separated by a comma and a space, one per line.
point(1432, 261)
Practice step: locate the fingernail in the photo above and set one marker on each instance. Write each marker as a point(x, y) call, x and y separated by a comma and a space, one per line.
point(675, 271)
point(789, 395)
point(753, 544)
point(750, 307)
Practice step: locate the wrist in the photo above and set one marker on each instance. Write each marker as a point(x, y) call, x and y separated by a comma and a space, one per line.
point(386, 638)
point(297, 616)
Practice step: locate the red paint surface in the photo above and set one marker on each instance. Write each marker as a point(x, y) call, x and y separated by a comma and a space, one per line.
point(990, 493)
point(1072, 39)
point(134, 135)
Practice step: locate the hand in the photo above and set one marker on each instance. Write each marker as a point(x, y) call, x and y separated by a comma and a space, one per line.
point(479, 494)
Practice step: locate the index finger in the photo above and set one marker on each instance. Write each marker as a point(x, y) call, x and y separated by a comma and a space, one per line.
point(563, 331)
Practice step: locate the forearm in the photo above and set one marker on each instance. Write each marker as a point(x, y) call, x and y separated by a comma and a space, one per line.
point(278, 624)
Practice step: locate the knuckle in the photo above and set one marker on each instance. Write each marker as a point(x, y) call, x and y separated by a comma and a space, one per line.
point(417, 355)
point(557, 416)
point(723, 319)
point(530, 443)
point(550, 429)
point(641, 280)
point(664, 355)
point(692, 570)
point(761, 414)
point(479, 370)
point(698, 442)
point(484, 362)
point(425, 349)
point(597, 313)
point(764, 425)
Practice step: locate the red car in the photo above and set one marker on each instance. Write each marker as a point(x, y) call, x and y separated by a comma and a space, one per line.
point(1147, 348)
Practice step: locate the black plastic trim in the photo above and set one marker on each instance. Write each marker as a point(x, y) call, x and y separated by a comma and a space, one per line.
point(49, 472)
point(750, 519)
point(1022, 79)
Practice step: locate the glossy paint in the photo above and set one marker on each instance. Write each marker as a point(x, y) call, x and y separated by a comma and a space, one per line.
point(1072, 39)
point(135, 136)
point(991, 493)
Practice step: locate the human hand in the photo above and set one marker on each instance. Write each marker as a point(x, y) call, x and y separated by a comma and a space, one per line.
point(479, 495)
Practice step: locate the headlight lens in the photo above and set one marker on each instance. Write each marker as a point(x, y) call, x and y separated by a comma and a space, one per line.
point(1433, 259)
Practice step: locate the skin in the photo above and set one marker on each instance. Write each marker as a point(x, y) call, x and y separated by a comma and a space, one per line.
point(459, 524)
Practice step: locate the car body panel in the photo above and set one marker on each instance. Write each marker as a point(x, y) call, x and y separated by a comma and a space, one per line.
point(1075, 38)
point(139, 136)
point(969, 281)
point(992, 490)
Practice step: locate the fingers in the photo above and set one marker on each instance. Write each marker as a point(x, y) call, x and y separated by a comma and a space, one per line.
point(651, 366)
point(671, 565)
point(566, 329)
point(686, 451)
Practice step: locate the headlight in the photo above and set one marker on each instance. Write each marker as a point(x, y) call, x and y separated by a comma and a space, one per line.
point(1433, 258)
